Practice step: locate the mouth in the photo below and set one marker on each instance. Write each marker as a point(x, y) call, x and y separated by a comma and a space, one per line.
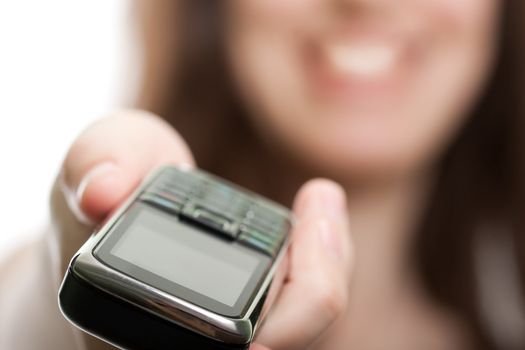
point(359, 68)
point(364, 61)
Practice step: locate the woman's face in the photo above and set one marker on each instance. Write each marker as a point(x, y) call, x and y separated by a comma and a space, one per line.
point(363, 88)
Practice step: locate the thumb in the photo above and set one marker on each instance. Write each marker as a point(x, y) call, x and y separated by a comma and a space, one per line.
point(112, 156)
point(321, 259)
point(104, 165)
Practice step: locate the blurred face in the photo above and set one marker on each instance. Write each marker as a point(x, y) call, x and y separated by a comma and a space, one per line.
point(363, 88)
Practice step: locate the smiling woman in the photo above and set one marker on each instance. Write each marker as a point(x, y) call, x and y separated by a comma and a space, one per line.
point(414, 107)
point(369, 94)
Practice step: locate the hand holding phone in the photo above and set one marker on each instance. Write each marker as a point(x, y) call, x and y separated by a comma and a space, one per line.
point(315, 289)
point(188, 262)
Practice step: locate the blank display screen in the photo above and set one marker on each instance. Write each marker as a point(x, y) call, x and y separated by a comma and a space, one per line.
point(187, 256)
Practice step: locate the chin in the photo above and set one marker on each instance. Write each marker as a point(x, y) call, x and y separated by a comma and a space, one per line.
point(351, 163)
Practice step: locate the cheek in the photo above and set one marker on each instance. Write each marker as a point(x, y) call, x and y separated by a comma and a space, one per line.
point(462, 40)
point(263, 37)
point(468, 12)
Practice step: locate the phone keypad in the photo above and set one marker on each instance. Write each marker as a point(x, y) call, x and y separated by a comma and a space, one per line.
point(220, 206)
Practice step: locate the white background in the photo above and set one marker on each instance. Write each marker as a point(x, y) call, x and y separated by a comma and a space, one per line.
point(62, 64)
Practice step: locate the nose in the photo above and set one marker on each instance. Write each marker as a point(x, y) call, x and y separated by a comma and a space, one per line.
point(359, 8)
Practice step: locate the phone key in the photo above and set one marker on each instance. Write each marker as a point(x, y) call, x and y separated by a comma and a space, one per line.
point(162, 202)
point(210, 219)
point(176, 196)
point(208, 198)
point(268, 213)
point(221, 191)
point(173, 191)
point(180, 175)
point(176, 186)
point(222, 211)
point(265, 213)
point(184, 184)
point(230, 210)
point(251, 232)
point(267, 227)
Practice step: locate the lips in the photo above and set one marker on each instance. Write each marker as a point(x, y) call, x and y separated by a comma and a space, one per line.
point(363, 67)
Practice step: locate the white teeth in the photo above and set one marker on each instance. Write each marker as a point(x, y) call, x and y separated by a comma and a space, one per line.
point(363, 60)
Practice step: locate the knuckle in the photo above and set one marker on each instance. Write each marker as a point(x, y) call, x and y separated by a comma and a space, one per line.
point(109, 139)
point(331, 299)
point(109, 134)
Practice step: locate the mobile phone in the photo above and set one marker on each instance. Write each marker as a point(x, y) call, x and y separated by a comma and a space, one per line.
point(190, 261)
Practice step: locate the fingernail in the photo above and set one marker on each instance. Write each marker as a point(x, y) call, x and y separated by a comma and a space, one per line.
point(74, 195)
point(330, 240)
point(101, 170)
point(334, 204)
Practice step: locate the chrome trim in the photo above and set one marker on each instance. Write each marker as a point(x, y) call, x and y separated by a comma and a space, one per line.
point(272, 285)
point(215, 326)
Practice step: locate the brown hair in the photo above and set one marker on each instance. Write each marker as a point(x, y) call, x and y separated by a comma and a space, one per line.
point(481, 182)
point(481, 176)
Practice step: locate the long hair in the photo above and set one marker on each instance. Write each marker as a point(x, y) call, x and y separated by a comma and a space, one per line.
point(481, 175)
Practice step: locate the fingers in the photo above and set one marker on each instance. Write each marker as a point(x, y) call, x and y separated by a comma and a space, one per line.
point(103, 166)
point(315, 292)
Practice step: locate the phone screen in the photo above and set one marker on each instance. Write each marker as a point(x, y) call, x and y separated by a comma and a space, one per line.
point(194, 259)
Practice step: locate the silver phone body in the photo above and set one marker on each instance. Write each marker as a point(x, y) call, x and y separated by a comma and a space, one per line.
point(226, 327)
